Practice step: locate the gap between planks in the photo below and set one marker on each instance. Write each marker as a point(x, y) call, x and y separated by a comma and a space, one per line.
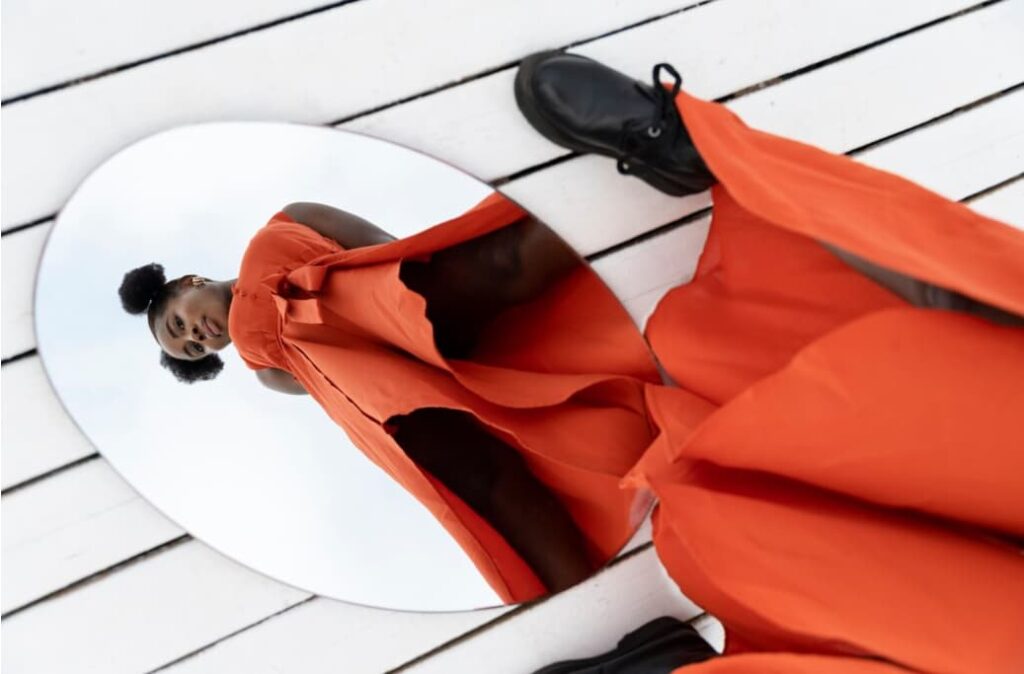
point(490, 71)
point(163, 547)
point(670, 226)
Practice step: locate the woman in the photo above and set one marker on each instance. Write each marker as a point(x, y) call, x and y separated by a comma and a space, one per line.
point(839, 474)
point(478, 363)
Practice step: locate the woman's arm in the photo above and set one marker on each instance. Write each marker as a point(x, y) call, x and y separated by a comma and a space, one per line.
point(349, 230)
point(279, 380)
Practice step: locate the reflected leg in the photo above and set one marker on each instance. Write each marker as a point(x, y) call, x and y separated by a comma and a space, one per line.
point(494, 480)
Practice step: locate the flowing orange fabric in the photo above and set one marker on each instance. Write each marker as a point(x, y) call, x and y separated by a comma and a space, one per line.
point(560, 378)
point(840, 474)
point(788, 663)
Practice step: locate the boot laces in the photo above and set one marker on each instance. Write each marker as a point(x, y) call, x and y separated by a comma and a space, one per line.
point(636, 136)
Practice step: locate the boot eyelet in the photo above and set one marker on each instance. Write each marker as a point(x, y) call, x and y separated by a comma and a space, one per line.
point(653, 131)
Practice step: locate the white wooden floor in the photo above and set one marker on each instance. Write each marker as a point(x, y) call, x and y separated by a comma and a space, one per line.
point(95, 580)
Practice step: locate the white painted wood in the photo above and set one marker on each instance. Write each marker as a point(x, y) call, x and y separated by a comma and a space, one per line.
point(563, 194)
point(641, 274)
point(329, 636)
point(1006, 204)
point(964, 154)
point(37, 435)
point(712, 631)
point(312, 639)
point(718, 48)
point(21, 252)
point(116, 613)
point(580, 622)
point(644, 272)
point(335, 64)
point(943, 56)
point(142, 616)
point(884, 90)
point(47, 43)
point(71, 526)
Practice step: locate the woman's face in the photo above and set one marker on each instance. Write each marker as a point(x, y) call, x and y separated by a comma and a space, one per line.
point(194, 322)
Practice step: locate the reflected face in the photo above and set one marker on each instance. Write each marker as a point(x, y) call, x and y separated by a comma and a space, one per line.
point(193, 322)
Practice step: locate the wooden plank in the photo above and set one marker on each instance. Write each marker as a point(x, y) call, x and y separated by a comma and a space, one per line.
point(979, 137)
point(712, 631)
point(329, 636)
point(21, 252)
point(964, 154)
point(885, 90)
point(29, 612)
point(142, 616)
point(37, 434)
point(69, 527)
point(363, 55)
point(719, 48)
point(563, 194)
point(642, 272)
point(47, 43)
point(319, 640)
point(1006, 204)
point(961, 61)
point(583, 621)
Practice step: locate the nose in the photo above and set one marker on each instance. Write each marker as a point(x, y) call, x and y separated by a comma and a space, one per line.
point(197, 333)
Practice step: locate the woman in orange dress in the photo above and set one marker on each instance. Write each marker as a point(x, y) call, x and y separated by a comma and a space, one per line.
point(840, 472)
point(479, 363)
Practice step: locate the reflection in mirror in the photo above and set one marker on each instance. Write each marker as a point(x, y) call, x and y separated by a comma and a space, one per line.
point(488, 387)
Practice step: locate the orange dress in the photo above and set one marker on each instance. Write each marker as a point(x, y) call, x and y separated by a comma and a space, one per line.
point(560, 378)
point(840, 475)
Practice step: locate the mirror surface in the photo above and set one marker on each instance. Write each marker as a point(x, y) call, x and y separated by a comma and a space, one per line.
point(328, 502)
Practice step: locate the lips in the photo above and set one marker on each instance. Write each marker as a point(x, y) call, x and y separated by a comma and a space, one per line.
point(210, 328)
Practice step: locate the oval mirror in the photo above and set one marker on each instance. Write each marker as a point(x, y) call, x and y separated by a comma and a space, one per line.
point(467, 392)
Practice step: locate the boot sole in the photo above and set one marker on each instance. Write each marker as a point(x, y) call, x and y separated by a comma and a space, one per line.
point(526, 101)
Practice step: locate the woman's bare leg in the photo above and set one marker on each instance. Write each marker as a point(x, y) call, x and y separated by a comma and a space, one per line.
point(923, 294)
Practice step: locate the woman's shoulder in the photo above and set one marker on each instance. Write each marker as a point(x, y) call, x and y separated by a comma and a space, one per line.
point(283, 244)
point(282, 235)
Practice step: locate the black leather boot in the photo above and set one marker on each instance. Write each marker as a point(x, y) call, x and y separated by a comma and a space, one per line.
point(659, 647)
point(585, 106)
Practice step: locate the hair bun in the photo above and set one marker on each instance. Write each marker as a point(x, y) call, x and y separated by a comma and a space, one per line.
point(140, 286)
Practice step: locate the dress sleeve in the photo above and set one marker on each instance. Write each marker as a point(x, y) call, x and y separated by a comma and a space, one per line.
point(284, 244)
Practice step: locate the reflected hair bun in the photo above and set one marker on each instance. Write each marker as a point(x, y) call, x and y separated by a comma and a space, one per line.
point(141, 286)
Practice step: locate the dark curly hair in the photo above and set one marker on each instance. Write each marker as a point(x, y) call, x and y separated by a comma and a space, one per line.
point(146, 290)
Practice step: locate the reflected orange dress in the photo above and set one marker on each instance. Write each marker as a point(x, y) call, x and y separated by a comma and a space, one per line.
point(840, 475)
point(561, 378)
